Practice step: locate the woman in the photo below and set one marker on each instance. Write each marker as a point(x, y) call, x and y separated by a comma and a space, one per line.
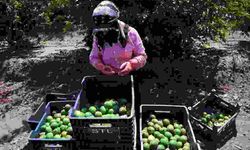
point(117, 48)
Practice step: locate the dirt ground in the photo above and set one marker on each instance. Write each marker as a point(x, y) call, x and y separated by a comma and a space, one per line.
point(59, 64)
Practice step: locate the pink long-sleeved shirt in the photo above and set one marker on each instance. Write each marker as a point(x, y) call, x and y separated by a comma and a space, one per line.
point(116, 55)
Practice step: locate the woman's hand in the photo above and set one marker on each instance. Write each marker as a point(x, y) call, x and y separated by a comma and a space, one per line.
point(126, 68)
point(107, 70)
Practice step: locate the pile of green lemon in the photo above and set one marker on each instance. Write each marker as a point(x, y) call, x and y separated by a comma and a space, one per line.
point(57, 126)
point(163, 134)
point(109, 109)
point(214, 119)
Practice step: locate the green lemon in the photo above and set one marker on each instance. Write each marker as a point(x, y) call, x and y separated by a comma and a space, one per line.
point(49, 135)
point(111, 111)
point(157, 127)
point(151, 130)
point(183, 131)
point(108, 104)
point(49, 118)
point(160, 123)
point(221, 116)
point(60, 123)
point(77, 113)
point(226, 118)
point(68, 137)
point(186, 148)
point(146, 146)
point(179, 144)
point(173, 138)
point(168, 134)
point(42, 137)
point(84, 110)
point(165, 122)
point(57, 136)
point(163, 130)
point(161, 136)
point(103, 110)
point(57, 131)
point(221, 120)
point(177, 137)
point(155, 121)
point(204, 114)
point(183, 138)
point(123, 110)
point(150, 124)
point(151, 138)
point(64, 112)
point(145, 140)
point(58, 119)
point(48, 129)
point(164, 141)
point(210, 124)
point(63, 116)
point(152, 116)
point(98, 114)
point(170, 128)
point(208, 117)
point(88, 114)
point(187, 144)
point(69, 130)
point(204, 120)
point(92, 109)
point(172, 143)
point(161, 147)
point(177, 131)
point(145, 134)
point(153, 144)
point(81, 114)
point(156, 134)
point(64, 133)
point(42, 133)
point(66, 121)
point(145, 129)
point(57, 115)
point(43, 128)
point(67, 107)
point(177, 126)
point(63, 127)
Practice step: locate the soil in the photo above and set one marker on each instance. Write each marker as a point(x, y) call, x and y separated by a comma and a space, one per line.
point(59, 64)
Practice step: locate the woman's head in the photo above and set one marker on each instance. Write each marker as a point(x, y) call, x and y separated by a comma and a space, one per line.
point(106, 25)
point(105, 13)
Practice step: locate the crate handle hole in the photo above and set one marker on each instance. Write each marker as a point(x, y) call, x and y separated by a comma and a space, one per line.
point(105, 125)
point(224, 104)
point(52, 146)
point(163, 112)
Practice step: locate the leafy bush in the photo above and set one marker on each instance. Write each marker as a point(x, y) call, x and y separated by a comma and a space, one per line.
point(166, 26)
point(174, 25)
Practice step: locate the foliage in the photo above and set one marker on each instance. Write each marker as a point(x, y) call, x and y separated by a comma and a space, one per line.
point(174, 25)
point(166, 26)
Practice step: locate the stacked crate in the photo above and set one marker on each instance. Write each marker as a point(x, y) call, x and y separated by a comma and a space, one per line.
point(99, 132)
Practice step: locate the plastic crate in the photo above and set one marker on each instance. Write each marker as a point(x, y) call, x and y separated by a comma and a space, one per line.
point(59, 144)
point(34, 119)
point(176, 112)
point(104, 130)
point(211, 103)
point(128, 142)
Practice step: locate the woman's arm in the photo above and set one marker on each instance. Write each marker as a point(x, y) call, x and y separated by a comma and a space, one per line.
point(139, 55)
point(94, 58)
